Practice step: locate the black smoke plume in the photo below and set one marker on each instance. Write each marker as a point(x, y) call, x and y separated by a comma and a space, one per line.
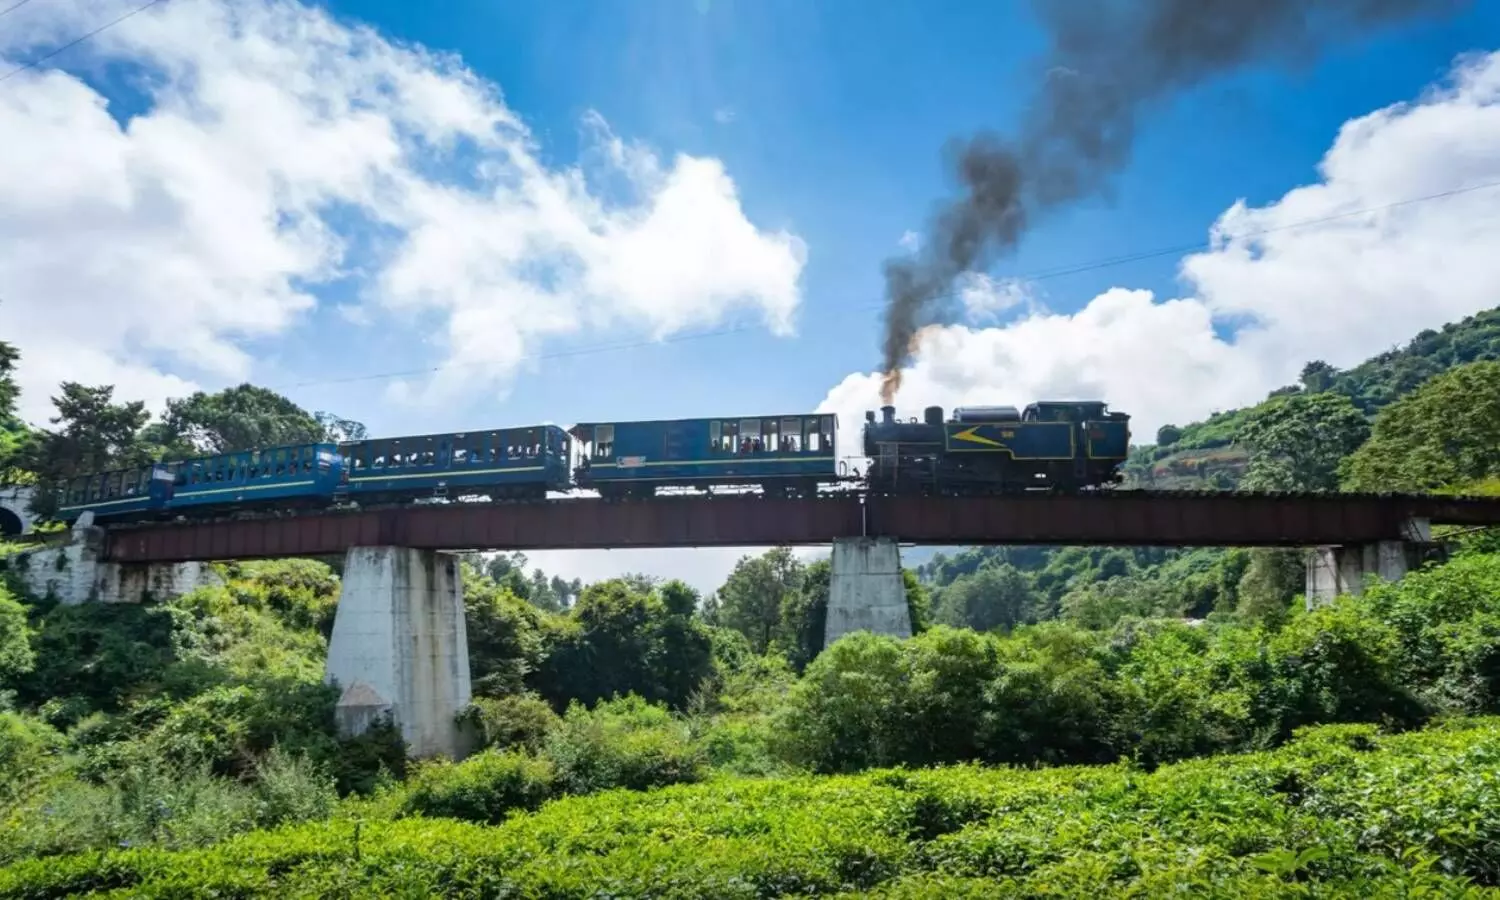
point(1108, 61)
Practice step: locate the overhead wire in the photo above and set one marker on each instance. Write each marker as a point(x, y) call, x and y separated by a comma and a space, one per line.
point(1042, 275)
point(607, 348)
point(76, 41)
point(10, 9)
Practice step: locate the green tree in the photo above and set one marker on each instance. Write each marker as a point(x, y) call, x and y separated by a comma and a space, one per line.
point(1445, 433)
point(14, 434)
point(994, 598)
point(16, 657)
point(92, 434)
point(1273, 577)
point(238, 418)
point(752, 597)
point(620, 640)
point(1167, 435)
point(804, 616)
point(506, 636)
point(1317, 376)
point(1297, 441)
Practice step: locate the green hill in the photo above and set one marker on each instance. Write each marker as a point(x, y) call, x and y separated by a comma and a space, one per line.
point(1206, 455)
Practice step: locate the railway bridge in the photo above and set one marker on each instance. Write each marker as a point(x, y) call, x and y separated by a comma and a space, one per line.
point(399, 645)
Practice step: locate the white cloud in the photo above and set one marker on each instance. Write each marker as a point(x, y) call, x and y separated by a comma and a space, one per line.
point(909, 241)
point(146, 253)
point(984, 297)
point(724, 115)
point(1337, 289)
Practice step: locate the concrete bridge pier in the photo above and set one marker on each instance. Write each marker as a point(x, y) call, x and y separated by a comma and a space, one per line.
point(400, 648)
point(1342, 569)
point(865, 591)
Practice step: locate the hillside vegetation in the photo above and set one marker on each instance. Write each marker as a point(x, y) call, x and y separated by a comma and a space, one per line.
point(1065, 721)
point(1212, 454)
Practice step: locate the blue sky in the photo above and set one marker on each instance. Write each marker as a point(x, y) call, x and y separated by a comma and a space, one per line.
point(839, 113)
point(306, 196)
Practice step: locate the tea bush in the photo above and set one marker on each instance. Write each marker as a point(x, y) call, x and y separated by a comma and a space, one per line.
point(1339, 811)
point(484, 788)
point(622, 743)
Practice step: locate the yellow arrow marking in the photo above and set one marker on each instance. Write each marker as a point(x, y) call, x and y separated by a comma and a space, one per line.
point(968, 435)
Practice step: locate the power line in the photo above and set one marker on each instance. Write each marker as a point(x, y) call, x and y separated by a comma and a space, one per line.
point(73, 43)
point(10, 9)
point(1042, 275)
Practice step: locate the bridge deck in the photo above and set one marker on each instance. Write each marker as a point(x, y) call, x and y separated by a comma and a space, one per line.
point(1163, 518)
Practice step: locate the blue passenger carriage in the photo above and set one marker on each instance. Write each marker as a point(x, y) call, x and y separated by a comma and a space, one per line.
point(297, 476)
point(506, 463)
point(119, 495)
point(783, 455)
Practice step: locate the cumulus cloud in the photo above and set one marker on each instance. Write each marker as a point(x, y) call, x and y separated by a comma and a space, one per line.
point(1337, 270)
point(145, 249)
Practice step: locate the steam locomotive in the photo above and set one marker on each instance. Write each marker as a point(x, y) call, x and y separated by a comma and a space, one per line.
point(981, 450)
point(1064, 446)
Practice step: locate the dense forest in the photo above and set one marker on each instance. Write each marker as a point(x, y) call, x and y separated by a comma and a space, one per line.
point(1065, 721)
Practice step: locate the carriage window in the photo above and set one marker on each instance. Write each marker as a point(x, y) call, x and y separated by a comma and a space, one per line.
point(791, 435)
point(770, 430)
point(715, 430)
point(729, 432)
point(814, 441)
point(750, 441)
point(604, 441)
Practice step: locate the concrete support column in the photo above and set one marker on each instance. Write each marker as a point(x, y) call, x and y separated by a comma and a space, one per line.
point(1332, 571)
point(865, 591)
point(400, 647)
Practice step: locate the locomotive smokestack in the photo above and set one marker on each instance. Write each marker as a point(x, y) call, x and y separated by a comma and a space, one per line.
point(888, 414)
point(1107, 63)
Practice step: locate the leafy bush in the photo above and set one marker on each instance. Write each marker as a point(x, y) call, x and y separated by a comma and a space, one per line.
point(153, 802)
point(16, 656)
point(28, 748)
point(518, 720)
point(483, 788)
point(1340, 811)
point(622, 743)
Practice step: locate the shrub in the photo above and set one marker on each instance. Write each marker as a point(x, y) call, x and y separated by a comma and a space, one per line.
point(1337, 813)
point(484, 788)
point(622, 743)
point(28, 749)
point(517, 720)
